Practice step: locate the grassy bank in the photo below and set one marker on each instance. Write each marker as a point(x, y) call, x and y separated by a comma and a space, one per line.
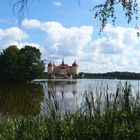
point(105, 116)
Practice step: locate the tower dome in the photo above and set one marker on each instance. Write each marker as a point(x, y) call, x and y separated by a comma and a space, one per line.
point(50, 64)
point(74, 64)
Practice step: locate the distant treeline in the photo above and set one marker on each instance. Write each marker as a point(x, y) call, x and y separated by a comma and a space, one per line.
point(111, 75)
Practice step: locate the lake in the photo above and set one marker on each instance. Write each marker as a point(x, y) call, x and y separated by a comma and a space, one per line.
point(31, 99)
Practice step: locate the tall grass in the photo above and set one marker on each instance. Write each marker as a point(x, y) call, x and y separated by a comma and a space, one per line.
point(103, 115)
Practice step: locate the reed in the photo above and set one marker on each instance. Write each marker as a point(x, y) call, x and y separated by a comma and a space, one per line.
point(103, 115)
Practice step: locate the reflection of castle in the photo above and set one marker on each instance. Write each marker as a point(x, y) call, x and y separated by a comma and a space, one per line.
point(61, 87)
point(63, 70)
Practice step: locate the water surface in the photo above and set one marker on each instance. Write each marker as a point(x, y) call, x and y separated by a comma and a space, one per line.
point(70, 94)
point(30, 99)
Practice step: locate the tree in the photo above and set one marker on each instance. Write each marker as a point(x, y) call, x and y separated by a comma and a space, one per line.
point(30, 64)
point(8, 63)
point(107, 10)
point(21, 65)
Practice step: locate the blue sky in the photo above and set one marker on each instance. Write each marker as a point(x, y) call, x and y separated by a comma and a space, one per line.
point(65, 29)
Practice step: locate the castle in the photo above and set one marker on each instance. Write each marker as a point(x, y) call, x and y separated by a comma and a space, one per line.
point(63, 70)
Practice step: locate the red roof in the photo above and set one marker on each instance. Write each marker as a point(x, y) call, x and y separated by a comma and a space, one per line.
point(63, 66)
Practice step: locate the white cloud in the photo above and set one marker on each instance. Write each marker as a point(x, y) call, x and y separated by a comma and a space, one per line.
point(138, 1)
point(114, 51)
point(57, 3)
point(33, 23)
point(117, 40)
point(67, 41)
point(10, 36)
point(62, 41)
point(15, 33)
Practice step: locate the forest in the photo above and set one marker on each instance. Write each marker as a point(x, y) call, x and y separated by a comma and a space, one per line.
point(111, 75)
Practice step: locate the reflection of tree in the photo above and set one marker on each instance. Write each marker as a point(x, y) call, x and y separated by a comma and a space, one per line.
point(21, 99)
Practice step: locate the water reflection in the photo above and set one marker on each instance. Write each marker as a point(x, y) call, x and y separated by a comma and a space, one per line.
point(20, 99)
point(23, 100)
point(62, 87)
point(65, 92)
point(71, 94)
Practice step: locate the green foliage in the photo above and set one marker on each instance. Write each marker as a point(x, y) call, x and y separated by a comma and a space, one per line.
point(111, 75)
point(107, 10)
point(30, 64)
point(20, 65)
point(8, 63)
point(118, 119)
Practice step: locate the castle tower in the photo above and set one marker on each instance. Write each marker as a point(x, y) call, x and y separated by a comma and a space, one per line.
point(74, 68)
point(50, 68)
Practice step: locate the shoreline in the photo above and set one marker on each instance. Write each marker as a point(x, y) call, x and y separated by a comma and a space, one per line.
point(74, 80)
